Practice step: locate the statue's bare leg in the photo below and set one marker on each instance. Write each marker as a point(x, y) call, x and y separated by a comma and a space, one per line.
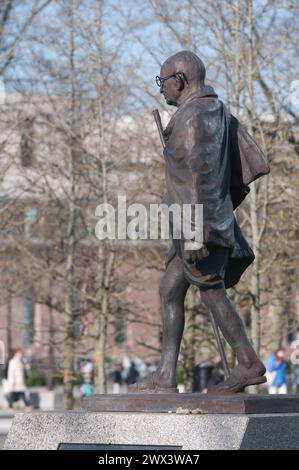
point(250, 368)
point(172, 291)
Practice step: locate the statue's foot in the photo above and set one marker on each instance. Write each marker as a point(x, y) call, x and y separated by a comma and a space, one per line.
point(153, 383)
point(240, 378)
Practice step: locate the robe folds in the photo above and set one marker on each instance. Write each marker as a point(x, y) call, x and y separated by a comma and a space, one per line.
point(210, 160)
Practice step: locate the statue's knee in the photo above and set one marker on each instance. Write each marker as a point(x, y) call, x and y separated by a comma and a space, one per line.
point(207, 295)
point(163, 292)
point(169, 293)
point(212, 296)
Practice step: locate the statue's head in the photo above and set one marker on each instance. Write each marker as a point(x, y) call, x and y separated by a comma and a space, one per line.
point(181, 74)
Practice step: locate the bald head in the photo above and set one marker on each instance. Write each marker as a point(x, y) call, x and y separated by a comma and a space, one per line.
point(190, 64)
point(180, 75)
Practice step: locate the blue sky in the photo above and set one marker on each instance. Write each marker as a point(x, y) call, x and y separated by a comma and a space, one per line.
point(140, 52)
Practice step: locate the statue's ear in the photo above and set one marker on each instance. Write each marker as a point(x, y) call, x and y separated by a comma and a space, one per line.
point(181, 81)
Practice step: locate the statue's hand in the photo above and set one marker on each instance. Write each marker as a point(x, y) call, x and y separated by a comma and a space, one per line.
point(192, 256)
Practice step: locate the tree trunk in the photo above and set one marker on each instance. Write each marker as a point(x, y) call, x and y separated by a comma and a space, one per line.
point(106, 257)
point(69, 346)
point(255, 274)
point(51, 354)
point(69, 298)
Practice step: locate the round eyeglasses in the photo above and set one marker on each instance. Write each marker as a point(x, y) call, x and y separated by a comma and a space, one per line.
point(160, 80)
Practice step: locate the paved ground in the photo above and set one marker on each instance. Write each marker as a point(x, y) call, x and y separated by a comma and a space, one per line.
point(2, 440)
point(5, 423)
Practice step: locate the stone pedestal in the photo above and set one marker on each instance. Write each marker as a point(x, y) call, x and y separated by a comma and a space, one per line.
point(166, 428)
point(199, 403)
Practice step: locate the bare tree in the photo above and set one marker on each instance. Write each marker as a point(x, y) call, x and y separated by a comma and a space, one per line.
point(12, 32)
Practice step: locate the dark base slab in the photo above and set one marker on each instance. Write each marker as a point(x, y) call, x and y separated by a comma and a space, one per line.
point(198, 403)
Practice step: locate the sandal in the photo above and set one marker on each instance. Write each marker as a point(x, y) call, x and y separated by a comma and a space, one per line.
point(152, 383)
point(239, 379)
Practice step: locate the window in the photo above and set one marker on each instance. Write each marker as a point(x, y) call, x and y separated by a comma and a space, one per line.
point(76, 329)
point(31, 222)
point(120, 326)
point(27, 146)
point(28, 317)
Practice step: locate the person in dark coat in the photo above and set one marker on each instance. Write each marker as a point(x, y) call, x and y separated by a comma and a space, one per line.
point(210, 160)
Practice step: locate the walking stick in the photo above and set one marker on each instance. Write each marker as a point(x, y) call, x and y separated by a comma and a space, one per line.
point(159, 126)
point(214, 324)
